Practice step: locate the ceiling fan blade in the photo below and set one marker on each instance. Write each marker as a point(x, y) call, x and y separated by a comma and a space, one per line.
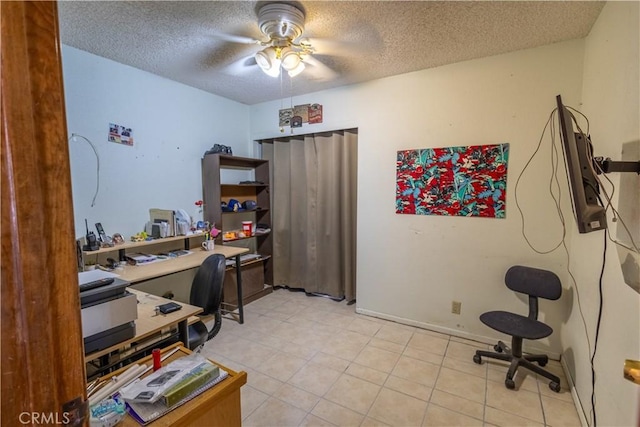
point(335, 48)
point(240, 66)
point(234, 38)
point(318, 70)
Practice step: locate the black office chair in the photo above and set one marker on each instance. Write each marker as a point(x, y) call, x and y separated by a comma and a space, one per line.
point(206, 292)
point(537, 284)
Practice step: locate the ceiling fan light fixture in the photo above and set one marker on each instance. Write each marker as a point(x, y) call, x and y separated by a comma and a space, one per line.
point(297, 70)
point(290, 59)
point(267, 59)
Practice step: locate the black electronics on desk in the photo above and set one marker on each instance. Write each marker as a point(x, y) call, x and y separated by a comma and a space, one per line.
point(92, 242)
point(108, 313)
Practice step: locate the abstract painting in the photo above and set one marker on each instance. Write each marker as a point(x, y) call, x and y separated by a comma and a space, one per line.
point(453, 181)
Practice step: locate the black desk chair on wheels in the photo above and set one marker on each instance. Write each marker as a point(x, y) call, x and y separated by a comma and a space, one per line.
point(206, 292)
point(536, 284)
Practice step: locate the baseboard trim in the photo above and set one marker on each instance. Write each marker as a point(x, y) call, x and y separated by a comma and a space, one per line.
point(574, 394)
point(453, 332)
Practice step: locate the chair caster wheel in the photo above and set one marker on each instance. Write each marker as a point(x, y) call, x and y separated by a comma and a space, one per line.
point(542, 363)
point(477, 359)
point(510, 384)
point(555, 386)
point(497, 348)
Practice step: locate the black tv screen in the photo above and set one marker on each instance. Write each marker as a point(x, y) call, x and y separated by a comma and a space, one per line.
point(578, 154)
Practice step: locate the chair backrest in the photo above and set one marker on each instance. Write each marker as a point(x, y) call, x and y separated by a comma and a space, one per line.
point(206, 288)
point(533, 282)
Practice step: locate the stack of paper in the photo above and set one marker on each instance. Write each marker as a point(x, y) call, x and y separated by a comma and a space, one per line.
point(139, 258)
point(170, 387)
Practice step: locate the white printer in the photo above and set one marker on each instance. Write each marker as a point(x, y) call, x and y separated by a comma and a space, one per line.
point(108, 313)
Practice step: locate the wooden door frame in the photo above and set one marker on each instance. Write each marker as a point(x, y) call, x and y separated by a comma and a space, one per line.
point(43, 372)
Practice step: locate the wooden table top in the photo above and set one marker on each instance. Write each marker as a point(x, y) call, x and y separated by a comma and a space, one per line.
point(140, 273)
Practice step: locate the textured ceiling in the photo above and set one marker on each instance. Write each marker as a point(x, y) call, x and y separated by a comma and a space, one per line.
point(359, 41)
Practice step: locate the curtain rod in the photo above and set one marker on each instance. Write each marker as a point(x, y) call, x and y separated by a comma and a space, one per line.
point(288, 138)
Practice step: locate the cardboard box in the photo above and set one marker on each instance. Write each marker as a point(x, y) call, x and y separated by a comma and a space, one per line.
point(252, 282)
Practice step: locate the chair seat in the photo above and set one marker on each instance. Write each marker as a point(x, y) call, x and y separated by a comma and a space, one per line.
point(516, 325)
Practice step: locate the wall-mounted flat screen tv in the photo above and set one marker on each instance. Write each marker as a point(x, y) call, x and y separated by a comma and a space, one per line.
point(578, 154)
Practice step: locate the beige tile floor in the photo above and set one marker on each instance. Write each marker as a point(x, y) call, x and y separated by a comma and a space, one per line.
point(315, 362)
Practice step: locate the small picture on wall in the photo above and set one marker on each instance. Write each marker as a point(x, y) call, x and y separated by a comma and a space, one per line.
point(296, 122)
point(120, 134)
point(285, 116)
point(296, 116)
point(454, 181)
point(302, 111)
point(315, 113)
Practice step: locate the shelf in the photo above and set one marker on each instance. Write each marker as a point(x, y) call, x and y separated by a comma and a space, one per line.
point(245, 263)
point(240, 162)
point(245, 238)
point(257, 211)
point(131, 245)
point(245, 185)
point(215, 191)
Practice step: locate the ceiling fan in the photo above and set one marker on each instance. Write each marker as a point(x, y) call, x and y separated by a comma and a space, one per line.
point(284, 48)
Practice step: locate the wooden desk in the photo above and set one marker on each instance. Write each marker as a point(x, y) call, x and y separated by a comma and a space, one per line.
point(218, 406)
point(141, 273)
point(149, 324)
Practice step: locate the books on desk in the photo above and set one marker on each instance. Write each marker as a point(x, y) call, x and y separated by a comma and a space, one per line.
point(140, 258)
point(179, 252)
point(143, 259)
point(170, 387)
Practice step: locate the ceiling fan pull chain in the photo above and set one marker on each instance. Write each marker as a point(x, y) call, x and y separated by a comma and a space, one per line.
point(291, 102)
point(281, 102)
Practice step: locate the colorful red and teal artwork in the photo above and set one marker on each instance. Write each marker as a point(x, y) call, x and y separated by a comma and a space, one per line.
point(453, 181)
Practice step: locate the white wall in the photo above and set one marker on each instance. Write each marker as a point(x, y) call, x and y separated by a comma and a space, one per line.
point(410, 268)
point(611, 101)
point(173, 125)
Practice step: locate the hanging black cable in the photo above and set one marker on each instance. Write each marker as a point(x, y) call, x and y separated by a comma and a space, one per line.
point(595, 344)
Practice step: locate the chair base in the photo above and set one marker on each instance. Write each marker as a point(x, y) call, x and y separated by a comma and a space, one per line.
point(516, 358)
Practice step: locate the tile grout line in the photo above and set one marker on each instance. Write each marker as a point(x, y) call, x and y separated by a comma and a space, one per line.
point(237, 334)
point(386, 379)
point(424, 417)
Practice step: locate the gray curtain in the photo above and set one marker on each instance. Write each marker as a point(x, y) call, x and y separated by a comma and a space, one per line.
point(313, 187)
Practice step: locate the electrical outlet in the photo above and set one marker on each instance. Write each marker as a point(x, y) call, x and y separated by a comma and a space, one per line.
point(456, 306)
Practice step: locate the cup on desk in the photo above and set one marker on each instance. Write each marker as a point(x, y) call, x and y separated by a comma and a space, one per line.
point(208, 245)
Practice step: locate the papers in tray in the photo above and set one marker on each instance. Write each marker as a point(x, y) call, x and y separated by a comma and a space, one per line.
point(171, 386)
point(144, 413)
point(153, 387)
